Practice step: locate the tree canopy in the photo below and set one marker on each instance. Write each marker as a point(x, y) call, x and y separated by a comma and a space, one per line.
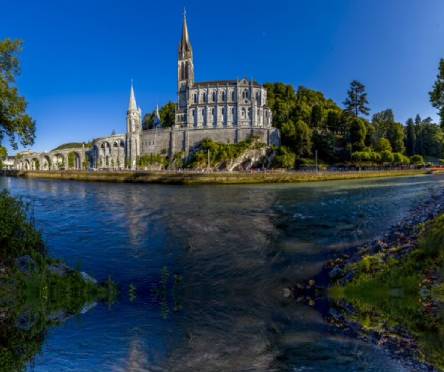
point(167, 115)
point(437, 93)
point(15, 123)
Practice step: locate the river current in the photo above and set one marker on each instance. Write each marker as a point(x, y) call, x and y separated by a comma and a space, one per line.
point(210, 264)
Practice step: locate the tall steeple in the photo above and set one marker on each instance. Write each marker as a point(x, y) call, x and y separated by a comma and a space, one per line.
point(132, 101)
point(185, 49)
point(133, 131)
point(185, 72)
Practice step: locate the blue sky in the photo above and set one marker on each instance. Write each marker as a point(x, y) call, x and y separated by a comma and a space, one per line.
point(79, 56)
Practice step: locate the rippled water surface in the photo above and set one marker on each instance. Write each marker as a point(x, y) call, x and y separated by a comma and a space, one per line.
point(235, 248)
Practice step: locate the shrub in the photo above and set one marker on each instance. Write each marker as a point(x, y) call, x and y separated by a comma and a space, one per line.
point(387, 157)
point(400, 159)
point(152, 159)
point(18, 236)
point(417, 160)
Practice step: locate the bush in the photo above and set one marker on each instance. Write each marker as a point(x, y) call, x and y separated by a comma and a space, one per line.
point(152, 159)
point(417, 160)
point(387, 157)
point(18, 236)
point(400, 159)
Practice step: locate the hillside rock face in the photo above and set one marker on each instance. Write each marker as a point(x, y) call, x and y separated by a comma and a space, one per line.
point(250, 159)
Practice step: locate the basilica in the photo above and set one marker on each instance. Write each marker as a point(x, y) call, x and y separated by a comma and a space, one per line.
point(226, 111)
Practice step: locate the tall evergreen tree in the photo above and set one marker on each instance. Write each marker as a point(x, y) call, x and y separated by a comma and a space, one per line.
point(356, 102)
point(437, 93)
point(410, 140)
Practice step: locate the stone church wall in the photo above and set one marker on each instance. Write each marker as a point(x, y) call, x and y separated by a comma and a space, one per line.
point(172, 140)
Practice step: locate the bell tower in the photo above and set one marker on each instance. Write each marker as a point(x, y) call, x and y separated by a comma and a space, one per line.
point(185, 72)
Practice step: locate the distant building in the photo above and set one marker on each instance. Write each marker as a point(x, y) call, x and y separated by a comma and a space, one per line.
point(226, 111)
point(9, 162)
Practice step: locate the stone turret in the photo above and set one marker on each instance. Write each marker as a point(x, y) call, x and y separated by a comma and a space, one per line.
point(134, 129)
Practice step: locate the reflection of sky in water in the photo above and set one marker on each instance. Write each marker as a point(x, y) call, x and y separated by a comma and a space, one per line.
point(235, 246)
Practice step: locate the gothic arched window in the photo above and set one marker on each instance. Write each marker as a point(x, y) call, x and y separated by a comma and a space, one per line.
point(233, 95)
point(223, 96)
point(243, 113)
point(214, 96)
point(204, 97)
point(195, 97)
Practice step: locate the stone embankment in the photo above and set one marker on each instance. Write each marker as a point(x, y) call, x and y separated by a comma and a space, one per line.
point(195, 178)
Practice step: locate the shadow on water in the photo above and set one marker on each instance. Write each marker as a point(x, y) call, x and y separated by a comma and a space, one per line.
point(234, 248)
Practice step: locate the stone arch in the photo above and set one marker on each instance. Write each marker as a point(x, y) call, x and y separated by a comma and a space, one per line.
point(105, 154)
point(58, 161)
point(74, 160)
point(45, 163)
point(35, 164)
point(26, 165)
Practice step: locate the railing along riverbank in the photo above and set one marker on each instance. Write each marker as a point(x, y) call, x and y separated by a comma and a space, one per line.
point(187, 177)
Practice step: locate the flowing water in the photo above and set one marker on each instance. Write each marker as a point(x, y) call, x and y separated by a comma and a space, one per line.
point(209, 264)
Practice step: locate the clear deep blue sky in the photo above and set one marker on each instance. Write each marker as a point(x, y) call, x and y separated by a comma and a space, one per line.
point(79, 56)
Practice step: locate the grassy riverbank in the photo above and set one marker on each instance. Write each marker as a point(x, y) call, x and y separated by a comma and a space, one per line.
point(392, 293)
point(194, 178)
point(36, 291)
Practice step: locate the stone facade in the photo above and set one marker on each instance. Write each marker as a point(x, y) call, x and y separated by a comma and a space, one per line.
point(226, 111)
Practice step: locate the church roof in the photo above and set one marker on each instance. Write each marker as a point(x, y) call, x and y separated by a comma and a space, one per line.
point(224, 83)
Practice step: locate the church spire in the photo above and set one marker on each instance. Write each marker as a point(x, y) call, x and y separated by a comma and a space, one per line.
point(185, 49)
point(132, 101)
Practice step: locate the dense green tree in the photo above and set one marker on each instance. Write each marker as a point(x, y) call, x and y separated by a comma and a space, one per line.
point(400, 159)
point(387, 157)
point(437, 93)
point(316, 116)
point(167, 115)
point(396, 136)
point(417, 159)
point(298, 137)
point(325, 143)
point(284, 158)
point(3, 156)
point(281, 100)
point(356, 102)
point(410, 138)
point(385, 126)
point(14, 122)
point(383, 145)
point(429, 138)
point(333, 118)
point(358, 132)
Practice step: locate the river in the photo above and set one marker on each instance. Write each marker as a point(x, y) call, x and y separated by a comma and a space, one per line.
point(223, 255)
